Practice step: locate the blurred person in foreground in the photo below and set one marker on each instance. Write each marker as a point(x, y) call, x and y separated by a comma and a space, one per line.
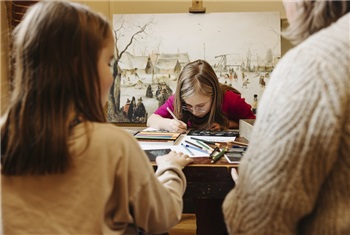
point(64, 170)
point(295, 176)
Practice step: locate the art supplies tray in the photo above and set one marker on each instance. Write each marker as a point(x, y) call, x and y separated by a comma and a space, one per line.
point(228, 133)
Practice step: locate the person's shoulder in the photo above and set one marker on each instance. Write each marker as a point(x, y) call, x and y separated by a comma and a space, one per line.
point(231, 95)
point(170, 100)
point(109, 131)
point(340, 28)
point(332, 40)
point(322, 51)
point(232, 101)
point(171, 97)
point(109, 136)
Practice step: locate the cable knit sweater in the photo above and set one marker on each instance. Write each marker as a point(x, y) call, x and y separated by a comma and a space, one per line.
point(110, 189)
point(295, 177)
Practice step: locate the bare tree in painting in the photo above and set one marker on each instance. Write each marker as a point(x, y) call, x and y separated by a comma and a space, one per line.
point(114, 94)
point(156, 53)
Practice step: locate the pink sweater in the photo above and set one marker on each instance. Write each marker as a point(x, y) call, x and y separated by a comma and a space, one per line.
point(233, 106)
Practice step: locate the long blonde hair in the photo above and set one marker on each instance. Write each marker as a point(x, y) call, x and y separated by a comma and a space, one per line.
point(56, 49)
point(312, 16)
point(198, 77)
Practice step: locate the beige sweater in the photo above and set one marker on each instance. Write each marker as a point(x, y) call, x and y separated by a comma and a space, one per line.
point(295, 177)
point(110, 187)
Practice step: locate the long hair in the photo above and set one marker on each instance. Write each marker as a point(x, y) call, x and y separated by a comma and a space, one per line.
point(198, 77)
point(312, 16)
point(56, 50)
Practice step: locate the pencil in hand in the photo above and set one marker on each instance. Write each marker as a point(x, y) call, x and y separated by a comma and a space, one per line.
point(172, 114)
point(180, 127)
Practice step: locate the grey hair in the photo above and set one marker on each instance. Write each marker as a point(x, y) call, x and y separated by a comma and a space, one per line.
point(312, 16)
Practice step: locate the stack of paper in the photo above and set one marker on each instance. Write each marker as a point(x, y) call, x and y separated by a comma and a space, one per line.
point(158, 137)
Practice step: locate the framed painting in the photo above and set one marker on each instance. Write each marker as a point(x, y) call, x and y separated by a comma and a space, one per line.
point(151, 50)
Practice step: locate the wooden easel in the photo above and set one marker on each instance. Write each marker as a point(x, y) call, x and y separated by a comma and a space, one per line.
point(197, 7)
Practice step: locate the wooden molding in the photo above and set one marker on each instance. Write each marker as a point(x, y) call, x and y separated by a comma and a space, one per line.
point(197, 7)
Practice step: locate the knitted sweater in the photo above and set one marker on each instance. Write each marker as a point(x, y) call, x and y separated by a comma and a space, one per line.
point(110, 189)
point(295, 176)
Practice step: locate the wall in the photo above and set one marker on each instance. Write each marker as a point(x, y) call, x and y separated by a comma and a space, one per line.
point(182, 6)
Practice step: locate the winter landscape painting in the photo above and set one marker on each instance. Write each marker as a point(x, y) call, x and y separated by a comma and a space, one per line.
point(152, 49)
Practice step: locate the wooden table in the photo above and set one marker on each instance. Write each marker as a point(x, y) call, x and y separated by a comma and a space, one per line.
point(205, 180)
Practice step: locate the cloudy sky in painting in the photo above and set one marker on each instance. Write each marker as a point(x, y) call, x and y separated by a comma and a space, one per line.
point(202, 36)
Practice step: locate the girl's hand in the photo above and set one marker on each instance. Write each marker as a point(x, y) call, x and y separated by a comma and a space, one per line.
point(215, 127)
point(177, 126)
point(178, 157)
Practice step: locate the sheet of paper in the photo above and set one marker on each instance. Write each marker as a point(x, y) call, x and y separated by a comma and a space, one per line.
point(177, 147)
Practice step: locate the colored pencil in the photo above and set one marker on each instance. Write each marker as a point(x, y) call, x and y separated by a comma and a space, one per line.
point(205, 145)
point(217, 157)
point(187, 149)
point(172, 114)
point(204, 141)
point(198, 146)
point(195, 148)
